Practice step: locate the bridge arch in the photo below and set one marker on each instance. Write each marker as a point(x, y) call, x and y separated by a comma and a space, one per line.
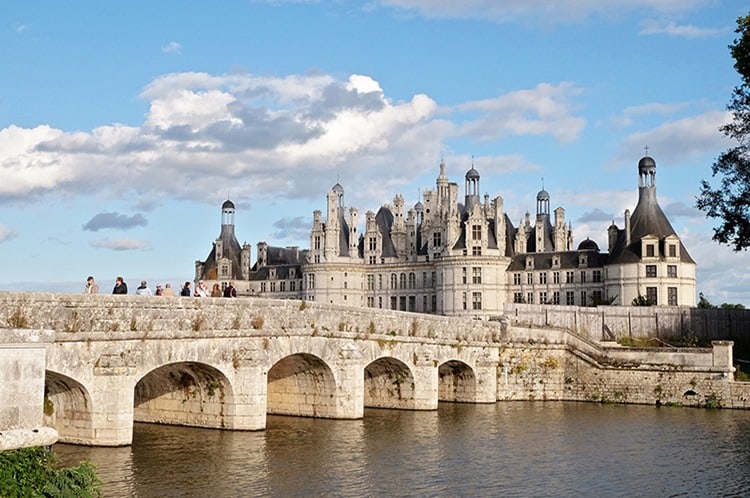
point(389, 383)
point(68, 408)
point(184, 393)
point(302, 385)
point(457, 382)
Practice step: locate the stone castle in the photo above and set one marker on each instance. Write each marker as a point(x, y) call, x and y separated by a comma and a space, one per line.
point(462, 259)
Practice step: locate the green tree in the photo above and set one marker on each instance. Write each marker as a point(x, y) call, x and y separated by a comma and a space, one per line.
point(730, 202)
point(703, 302)
point(31, 472)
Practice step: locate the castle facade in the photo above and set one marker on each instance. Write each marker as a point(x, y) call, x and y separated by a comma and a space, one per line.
point(445, 257)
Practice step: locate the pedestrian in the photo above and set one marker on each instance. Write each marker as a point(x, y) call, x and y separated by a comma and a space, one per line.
point(216, 291)
point(230, 291)
point(159, 291)
point(91, 286)
point(186, 290)
point(143, 289)
point(168, 290)
point(120, 286)
point(201, 290)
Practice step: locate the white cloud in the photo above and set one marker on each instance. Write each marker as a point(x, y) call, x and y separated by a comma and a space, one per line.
point(544, 110)
point(202, 132)
point(172, 48)
point(120, 244)
point(6, 233)
point(660, 27)
point(678, 140)
point(539, 11)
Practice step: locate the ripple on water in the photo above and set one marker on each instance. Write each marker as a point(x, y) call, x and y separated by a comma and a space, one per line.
point(503, 449)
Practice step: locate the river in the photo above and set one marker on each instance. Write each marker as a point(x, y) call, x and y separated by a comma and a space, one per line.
point(503, 449)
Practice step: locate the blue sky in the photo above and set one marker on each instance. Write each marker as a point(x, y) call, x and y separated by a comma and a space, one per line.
point(124, 126)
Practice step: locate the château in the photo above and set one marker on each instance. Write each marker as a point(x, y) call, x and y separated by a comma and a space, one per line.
point(445, 257)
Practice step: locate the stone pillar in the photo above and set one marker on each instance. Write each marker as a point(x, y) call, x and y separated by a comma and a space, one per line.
point(350, 385)
point(112, 400)
point(722, 356)
point(485, 371)
point(247, 408)
point(425, 379)
point(22, 368)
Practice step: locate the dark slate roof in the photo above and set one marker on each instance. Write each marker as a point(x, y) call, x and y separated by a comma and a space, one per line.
point(568, 260)
point(231, 251)
point(647, 219)
point(281, 256)
point(384, 222)
point(283, 272)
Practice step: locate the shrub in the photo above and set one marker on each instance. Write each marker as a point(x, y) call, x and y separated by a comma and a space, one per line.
point(32, 472)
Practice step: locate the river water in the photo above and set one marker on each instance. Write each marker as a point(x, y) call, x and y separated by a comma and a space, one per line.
point(503, 449)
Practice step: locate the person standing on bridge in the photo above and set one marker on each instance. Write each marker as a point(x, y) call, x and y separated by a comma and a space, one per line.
point(143, 290)
point(120, 286)
point(230, 291)
point(91, 286)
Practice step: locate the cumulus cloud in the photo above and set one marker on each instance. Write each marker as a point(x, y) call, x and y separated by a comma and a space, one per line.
point(291, 229)
point(120, 244)
point(544, 110)
point(595, 215)
point(203, 132)
point(6, 233)
point(677, 140)
point(172, 48)
point(115, 220)
point(539, 11)
point(661, 27)
point(630, 115)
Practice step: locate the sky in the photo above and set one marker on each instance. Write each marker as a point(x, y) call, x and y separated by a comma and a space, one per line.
point(125, 125)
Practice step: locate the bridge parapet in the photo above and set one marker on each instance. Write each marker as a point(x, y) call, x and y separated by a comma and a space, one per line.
point(77, 317)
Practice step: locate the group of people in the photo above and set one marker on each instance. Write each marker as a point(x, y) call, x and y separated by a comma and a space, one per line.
point(201, 289)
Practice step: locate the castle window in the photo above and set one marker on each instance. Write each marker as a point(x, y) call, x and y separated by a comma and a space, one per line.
point(293, 286)
point(542, 297)
point(412, 280)
point(371, 282)
point(556, 297)
point(292, 273)
point(530, 298)
point(649, 250)
point(412, 303)
point(272, 273)
point(476, 232)
point(556, 277)
point(672, 250)
point(380, 282)
point(652, 295)
point(463, 275)
point(316, 242)
point(596, 276)
point(570, 299)
point(672, 271)
point(402, 281)
point(437, 239)
point(555, 262)
point(370, 302)
point(569, 277)
point(224, 270)
point(476, 251)
point(516, 279)
point(596, 296)
point(373, 243)
point(583, 276)
point(263, 287)
point(518, 297)
point(530, 278)
point(273, 286)
point(394, 282)
point(476, 300)
point(463, 297)
point(672, 296)
point(543, 278)
point(651, 271)
point(583, 298)
point(476, 275)
point(317, 258)
point(282, 286)
point(394, 302)
point(373, 260)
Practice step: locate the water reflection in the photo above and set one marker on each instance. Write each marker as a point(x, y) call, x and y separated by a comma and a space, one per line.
point(504, 449)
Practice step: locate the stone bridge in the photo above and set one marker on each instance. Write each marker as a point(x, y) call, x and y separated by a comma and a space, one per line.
point(227, 363)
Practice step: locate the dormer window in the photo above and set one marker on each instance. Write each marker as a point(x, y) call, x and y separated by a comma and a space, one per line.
point(583, 260)
point(529, 263)
point(555, 261)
